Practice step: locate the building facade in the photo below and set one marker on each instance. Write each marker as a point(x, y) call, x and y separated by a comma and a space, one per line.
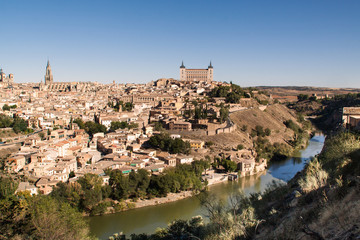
point(50, 85)
point(196, 74)
point(6, 80)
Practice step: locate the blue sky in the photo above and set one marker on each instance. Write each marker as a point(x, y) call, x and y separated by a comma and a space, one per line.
point(283, 43)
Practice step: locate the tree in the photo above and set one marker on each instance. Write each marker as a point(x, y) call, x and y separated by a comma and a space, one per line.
point(92, 194)
point(54, 220)
point(80, 123)
point(19, 125)
point(233, 97)
point(7, 187)
point(165, 143)
point(116, 125)
point(42, 135)
point(302, 97)
point(244, 128)
point(91, 128)
point(224, 114)
point(267, 132)
point(119, 184)
point(5, 121)
point(158, 126)
point(6, 107)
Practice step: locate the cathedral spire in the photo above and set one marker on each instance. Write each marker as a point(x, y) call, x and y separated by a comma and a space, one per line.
point(48, 74)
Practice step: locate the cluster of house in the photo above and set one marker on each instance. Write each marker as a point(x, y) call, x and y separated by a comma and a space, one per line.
point(70, 153)
point(59, 147)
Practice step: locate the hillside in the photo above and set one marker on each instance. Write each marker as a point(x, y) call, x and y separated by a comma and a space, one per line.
point(273, 117)
point(321, 202)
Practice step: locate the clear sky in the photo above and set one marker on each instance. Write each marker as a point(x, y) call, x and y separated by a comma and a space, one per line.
point(269, 42)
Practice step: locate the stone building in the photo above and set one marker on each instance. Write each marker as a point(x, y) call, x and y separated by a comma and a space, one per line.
point(196, 74)
point(50, 85)
point(6, 80)
point(351, 117)
point(48, 76)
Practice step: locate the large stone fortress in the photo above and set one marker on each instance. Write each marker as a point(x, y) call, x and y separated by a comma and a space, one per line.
point(196, 74)
point(6, 80)
point(50, 85)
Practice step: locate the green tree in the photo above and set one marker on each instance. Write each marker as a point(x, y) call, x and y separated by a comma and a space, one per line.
point(224, 114)
point(54, 220)
point(19, 125)
point(5, 121)
point(6, 107)
point(92, 193)
point(7, 187)
point(119, 185)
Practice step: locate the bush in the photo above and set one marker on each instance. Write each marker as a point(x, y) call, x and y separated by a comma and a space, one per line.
point(267, 132)
point(240, 147)
point(315, 176)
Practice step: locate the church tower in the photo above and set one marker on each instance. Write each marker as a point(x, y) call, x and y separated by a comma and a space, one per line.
point(48, 75)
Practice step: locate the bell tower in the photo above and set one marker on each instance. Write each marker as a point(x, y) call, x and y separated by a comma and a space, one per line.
point(48, 75)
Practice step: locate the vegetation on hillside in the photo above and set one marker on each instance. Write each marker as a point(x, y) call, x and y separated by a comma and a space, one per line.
point(328, 110)
point(90, 196)
point(17, 124)
point(321, 202)
point(90, 127)
point(166, 143)
point(232, 93)
point(122, 125)
point(126, 107)
point(37, 217)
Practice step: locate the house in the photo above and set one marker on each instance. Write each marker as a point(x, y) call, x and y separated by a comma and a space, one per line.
point(155, 168)
point(179, 126)
point(46, 184)
point(27, 187)
point(196, 144)
point(351, 117)
point(15, 163)
point(246, 167)
point(170, 161)
point(183, 159)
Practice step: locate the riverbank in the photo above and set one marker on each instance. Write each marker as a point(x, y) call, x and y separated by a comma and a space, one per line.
point(129, 204)
point(147, 219)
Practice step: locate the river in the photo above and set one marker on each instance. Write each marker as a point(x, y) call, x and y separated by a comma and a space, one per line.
point(147, 219)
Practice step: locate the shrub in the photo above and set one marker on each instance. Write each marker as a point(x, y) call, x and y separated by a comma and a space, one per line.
point(240, 147)
point(315, 176)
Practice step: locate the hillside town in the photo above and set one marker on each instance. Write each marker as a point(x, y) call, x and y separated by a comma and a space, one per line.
point(75, 128)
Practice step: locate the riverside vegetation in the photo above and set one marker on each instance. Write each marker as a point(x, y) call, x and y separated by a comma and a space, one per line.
point(28, 217)
point(321, 202)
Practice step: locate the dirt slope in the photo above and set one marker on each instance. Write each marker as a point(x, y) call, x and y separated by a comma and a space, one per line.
point(272, 117)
